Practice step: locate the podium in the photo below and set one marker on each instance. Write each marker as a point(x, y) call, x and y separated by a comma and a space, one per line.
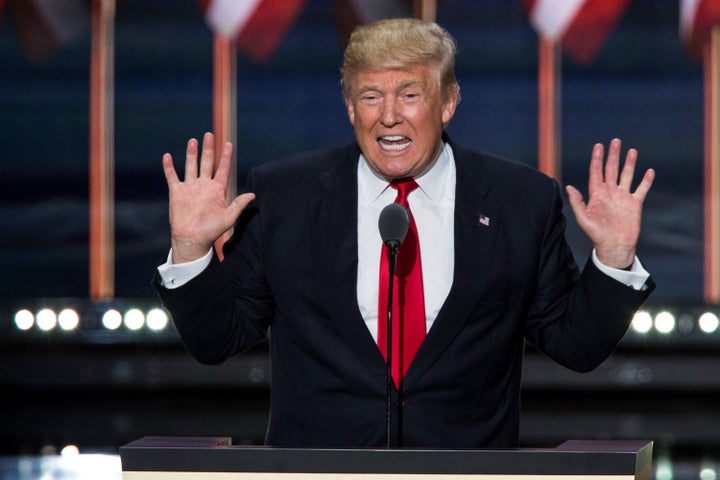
point(215, 458)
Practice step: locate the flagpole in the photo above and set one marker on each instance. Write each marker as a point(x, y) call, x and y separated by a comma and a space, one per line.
point(102, 216)
point(225, 112)
point(549, 90)
point(711, 200)
point(425, 10)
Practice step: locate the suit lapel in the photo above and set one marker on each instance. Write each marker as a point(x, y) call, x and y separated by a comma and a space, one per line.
point(334, 218)
point(476, 227)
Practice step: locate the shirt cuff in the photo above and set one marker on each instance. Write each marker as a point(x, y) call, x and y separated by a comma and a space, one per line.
point(178, 274)
point(635, 277)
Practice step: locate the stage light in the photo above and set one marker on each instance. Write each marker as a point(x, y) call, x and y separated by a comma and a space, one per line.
point(664, 469)
point(46, 319)
point(112, 319)
point(48, 450)
point(157, 319)
point(685, 323)
point(708, 322)
point(68, 319)
point(664, 322)
point(134, 319)
point(70, 451)
point(708, 473)
point(642, 322)
point(24, 319)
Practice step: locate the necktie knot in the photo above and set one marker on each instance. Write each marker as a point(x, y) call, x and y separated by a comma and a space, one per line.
point(404, 187)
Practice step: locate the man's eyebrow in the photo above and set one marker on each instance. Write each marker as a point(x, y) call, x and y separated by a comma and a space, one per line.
point(411, 83)
point(368, 88)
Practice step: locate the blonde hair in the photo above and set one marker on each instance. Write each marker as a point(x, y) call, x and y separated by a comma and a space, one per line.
point(398, 43)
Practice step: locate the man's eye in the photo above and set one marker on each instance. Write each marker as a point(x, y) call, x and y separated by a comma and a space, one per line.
point(370, 99)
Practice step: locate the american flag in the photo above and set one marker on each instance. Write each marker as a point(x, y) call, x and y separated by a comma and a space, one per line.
point(257, 26)
point(580, 26)
point(43, 26)
point(697, 18)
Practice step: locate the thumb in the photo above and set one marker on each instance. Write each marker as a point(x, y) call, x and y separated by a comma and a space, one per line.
point(237, 206)
point(576, 200)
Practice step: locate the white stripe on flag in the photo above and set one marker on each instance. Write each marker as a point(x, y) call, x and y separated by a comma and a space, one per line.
point(552, 17)
point(228, 17)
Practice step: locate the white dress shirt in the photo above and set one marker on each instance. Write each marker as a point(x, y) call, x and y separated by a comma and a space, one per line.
point(433, 207)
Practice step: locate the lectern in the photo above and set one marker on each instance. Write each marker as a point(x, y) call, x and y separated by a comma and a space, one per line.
point(216, 458)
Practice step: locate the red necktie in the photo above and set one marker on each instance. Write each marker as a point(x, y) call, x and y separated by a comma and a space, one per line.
point(408, 313)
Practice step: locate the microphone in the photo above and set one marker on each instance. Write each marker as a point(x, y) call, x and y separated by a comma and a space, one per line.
point(393, 224)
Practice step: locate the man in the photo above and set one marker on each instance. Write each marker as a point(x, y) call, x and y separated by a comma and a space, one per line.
point(496, 269)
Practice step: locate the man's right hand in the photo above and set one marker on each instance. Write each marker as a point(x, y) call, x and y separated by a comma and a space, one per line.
point(199, 212)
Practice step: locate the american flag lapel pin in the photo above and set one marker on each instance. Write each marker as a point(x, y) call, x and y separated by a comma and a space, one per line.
point(483, 220)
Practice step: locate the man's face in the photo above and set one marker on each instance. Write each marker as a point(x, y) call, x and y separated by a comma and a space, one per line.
point(398, 117)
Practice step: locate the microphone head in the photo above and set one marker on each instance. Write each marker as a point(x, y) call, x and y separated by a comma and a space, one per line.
point(393, 224)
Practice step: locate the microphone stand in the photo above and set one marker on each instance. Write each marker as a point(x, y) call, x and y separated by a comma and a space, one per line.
point(392, 254)
point(393, 224)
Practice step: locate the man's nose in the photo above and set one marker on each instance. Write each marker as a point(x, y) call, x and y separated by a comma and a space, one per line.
point(391, 115)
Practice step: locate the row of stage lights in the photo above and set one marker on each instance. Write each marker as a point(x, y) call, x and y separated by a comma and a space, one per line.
point(69, 319)
point(664, 322)
point(113, 318)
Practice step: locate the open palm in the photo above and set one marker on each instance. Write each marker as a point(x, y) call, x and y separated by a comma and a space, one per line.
point(612, 215)
point(199, 211)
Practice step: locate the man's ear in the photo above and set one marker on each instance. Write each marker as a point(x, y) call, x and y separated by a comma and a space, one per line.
point(448, 108)
point(350, 111)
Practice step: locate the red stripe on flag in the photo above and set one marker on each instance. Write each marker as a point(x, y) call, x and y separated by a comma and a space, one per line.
point(204, 4)
point(267, 26)
point(707, 16)
point(591, 26)
point(528, 5)
point(35, 31)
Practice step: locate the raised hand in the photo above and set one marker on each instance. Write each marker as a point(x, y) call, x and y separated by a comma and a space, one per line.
point(612, 216)
point(199, 211)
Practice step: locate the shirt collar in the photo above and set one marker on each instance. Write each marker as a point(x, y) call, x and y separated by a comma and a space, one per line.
point(433, 182)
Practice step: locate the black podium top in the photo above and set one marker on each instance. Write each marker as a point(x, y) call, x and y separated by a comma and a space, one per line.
point(599, 459)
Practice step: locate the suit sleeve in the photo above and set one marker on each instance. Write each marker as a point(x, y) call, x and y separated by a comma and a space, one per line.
point(576, 318)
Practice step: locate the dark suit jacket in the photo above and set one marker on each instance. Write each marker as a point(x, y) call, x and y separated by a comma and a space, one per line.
point(291, 268)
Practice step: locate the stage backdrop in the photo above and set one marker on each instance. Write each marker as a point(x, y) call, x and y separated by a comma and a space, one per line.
point(641, 86)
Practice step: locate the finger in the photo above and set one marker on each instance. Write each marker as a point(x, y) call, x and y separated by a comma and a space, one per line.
point(628, 171)
point(596, 162)
point(207, 159)
point(169, 169)
point(645, 184)
point(191, 153)
point(223, 171)
point(612, 166)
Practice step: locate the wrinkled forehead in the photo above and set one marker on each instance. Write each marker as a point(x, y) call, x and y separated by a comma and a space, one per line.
point(419, 75)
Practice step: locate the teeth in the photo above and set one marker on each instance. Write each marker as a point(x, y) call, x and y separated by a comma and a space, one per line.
point(395, 147)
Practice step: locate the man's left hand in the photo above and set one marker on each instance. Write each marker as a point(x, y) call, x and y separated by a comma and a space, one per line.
point(612, 216)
